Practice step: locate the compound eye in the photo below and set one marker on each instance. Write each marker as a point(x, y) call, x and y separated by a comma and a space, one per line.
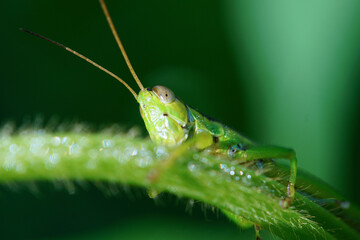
point(164, 94)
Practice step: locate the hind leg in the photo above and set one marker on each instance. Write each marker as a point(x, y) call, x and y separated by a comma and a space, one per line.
point(270, 152)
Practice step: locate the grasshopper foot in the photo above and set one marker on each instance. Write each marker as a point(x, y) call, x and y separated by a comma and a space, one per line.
point(257, 231)
point(286, 202)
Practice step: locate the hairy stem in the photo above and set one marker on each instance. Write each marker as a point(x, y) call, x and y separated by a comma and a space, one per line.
point(241, 192)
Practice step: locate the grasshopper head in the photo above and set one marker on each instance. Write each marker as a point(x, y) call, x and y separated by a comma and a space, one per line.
point(164, 115)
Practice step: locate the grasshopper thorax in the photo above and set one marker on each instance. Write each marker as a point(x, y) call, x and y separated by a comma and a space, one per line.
point(165, 116)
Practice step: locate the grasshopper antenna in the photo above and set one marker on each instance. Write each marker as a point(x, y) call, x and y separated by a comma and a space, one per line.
point(122, 49)
point(83, 57)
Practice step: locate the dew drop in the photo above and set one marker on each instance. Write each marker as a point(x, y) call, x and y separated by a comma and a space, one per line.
point(55, 141)
point(191, 167)
point(13, 148)
point(134, 152)
point(54, 158)
point(204, 160)
point(34, 148)
point(74, 149)
point(83, 141)
point(65, 141)
point(161, 152)
point(9, 163)
point(106, 143)
point(345, 205)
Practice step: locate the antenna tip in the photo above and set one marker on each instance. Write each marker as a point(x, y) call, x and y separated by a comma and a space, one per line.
point(24, 30)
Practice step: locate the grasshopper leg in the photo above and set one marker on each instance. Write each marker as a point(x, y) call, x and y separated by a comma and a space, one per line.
point(202, 140)
point(271, 152)
point(257, 231)
point(199, 141)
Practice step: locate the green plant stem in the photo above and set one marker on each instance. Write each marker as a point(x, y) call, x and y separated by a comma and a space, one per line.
point(242, 193)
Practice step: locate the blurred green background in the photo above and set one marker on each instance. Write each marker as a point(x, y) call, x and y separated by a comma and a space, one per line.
point(281, 72)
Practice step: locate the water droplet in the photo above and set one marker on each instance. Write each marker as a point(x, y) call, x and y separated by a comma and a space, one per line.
point(232, 172)
point(106, 143)
point(133, 132)
point(54, 158)
point(191, 167)
point(13, 148)
point(9, 163)
point(115, 154)
point(83, 141)
point(345, 205)
point(74, 149)
point(34, 148)
point(65, 141)
point(55, 141)
point(144, 161)
point(204, 160)
point(161, 152)
point(134, 152)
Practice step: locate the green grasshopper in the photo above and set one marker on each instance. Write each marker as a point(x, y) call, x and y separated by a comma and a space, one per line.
point(171, 122)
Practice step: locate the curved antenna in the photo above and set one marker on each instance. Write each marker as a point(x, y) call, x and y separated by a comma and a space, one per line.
point(83, 57)
point(122, 49)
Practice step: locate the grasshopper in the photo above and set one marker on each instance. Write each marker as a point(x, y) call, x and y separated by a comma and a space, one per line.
point(171, 122)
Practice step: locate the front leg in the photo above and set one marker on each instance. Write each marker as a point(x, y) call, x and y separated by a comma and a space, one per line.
point(270, 152)
point(200, 141)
